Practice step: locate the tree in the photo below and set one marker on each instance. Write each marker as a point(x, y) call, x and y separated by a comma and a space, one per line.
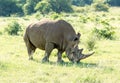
point(8, 7)
point(100, 6)
point(81, 2)
point(44, 7)
point(20, 3)
point(29, 6)
point(61, 5)
point(113, 2)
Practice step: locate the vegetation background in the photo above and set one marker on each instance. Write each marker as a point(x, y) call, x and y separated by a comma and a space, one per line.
point(97, 20)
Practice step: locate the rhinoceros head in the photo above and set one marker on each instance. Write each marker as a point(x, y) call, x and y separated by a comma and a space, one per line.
point(77, 55)
point(72, 44)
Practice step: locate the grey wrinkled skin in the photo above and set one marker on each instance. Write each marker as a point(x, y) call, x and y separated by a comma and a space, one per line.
point(48, 35)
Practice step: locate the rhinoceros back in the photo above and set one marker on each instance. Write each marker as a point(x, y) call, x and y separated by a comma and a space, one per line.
point(57, 32)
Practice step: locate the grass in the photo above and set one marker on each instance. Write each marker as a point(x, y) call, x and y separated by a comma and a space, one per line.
point(102, 67)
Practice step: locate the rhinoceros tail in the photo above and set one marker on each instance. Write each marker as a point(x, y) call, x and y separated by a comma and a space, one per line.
point(25, 36)
point(27, 39)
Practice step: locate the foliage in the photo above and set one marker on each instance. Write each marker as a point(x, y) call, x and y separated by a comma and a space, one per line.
point(106, 32)
point(0, 33)
point(83, 19)
point(100, 6)
point(81, 2)
point(20, 2)
point(61, 5)
point(44, 7)
point(91, 42)
point(13, 28)
point(28, 8)
point(113, 2)
point(78, 9)
point(8, 7)
point(55, 16)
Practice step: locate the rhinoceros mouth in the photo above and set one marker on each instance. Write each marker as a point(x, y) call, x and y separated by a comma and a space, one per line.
point(78, 55)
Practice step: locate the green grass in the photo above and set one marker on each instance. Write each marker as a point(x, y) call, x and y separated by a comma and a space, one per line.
point(102, 67)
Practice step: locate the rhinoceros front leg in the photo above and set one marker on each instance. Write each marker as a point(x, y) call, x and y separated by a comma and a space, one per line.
point(59, 60)
point(48, 49)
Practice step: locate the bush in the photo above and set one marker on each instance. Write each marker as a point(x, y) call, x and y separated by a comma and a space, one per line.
point(106, 32)
point(44, 7)
point(38, 15)
point(0, 33)
point(55, 16)
point(78, 9)
point(13, 28)
point(83, 19)
point(59, 6)
point(100, 6)
point(28, 8)
point(90, 43)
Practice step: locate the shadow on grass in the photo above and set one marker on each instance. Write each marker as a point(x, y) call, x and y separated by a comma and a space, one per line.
point(80, 64)
point(70, 64)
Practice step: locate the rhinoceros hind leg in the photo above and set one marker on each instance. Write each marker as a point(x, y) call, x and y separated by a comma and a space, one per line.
point(31, 50)
point(48, 49)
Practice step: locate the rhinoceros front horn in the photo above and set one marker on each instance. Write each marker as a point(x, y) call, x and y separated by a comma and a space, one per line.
point(83, 56)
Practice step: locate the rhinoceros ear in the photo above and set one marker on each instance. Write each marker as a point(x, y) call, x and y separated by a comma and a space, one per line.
point(77, 37)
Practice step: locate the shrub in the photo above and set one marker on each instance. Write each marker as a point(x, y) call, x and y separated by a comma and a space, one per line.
point(28, 7)
point(106, 32)
point(55, 16)
point(38, 15)
point(79, 9)
point(114, 2)
point(83, 19)
point(59, 6)
point(0, 33)
point(13, 28)
point(90, 43)
point(100, 6)
point(44, 7)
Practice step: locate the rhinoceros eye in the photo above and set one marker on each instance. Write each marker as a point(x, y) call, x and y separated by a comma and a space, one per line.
point(73, 52)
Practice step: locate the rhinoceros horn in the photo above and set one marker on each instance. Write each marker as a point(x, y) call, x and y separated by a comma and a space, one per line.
point(83, 56)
